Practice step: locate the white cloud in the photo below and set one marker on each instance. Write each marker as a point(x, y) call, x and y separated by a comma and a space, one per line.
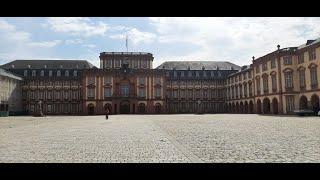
point(45, 44)
point(136, 36)
point(89, 45)
point(9, 32)
point(73, 41)
point(234, 39)
point(18, 44)
point(78, 26)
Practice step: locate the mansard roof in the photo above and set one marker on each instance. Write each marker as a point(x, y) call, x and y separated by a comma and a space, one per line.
point(9, 74)
point(48, 64)
point(198, 65)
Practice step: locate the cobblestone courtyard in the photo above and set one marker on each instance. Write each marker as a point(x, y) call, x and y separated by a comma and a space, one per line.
point(160, 138)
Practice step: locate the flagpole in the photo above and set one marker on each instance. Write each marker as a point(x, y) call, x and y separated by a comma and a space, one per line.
point(127, 42)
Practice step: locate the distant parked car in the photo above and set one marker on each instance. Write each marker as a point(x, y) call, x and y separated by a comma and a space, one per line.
point(304, 112)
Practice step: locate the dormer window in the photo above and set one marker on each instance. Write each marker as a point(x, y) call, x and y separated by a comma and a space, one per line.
point(197, 74)
point(212, 74)
point(45, 66)
point(190, 73)
point(12, 66)
point(75, 73)
point(204, 74)
point(25, 73)
point(33, 73)
point(66, 73)
point(29, 66)
point(42, 73)
point(182, 73)
point(61, 66)
point(50, 73)
point(174, 73)
point(58, 73)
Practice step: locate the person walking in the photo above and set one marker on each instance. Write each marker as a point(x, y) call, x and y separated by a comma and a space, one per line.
point(107, 113)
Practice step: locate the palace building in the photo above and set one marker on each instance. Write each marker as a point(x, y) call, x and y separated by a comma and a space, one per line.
point(55, 84)
point(197, 86)
point(125, 83)
point(10, 93)
point(280, 82)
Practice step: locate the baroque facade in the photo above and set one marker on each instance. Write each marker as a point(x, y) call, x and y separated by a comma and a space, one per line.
point(277, 83)
point(197, 86)
point(55, 85)
point(124, 84)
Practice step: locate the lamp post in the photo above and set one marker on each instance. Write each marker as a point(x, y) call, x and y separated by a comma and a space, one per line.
point(199, 103)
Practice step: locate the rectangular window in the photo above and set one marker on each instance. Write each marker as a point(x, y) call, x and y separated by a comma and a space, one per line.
point(273, 63)
point(274, 82)
point(287, 60)
point(258, 69)
point(313, 75)
point(49, 108)
point(66, 95)
point(117, 63)
point(258, 86)
point(290, 104)
point(265, 85)
point(107, 80)
point(108, 63)
point(250, 89)
point(288, 79)
point(107, 92)
point(312, 55)
point(302, 78)
point(91, 92)
point(158, 80)
point(91, 80)
point(142, 81)
point(264, 66)
point(124, 90)
point(158, 92)
point(175, 94)
point(190, 94)
point(301, 58)
point(245, 90)
point(74, 94)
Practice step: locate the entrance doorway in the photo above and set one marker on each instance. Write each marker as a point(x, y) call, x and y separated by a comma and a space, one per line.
point(315, 103)
point(142, 108)
point(158, 108)
point(90, 109)
point(124, 107)
point(266, 106)
point(275, 106)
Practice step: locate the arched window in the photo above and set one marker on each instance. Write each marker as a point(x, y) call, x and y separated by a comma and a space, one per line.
point(66, 73)
point(58, 73)
point(42, 73)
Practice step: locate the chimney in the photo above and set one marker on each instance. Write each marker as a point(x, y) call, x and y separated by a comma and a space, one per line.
point(309, 42)
point(278, 47)
point(253, 59)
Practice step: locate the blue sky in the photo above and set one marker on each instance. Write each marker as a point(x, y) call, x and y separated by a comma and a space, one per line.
point(169, 39)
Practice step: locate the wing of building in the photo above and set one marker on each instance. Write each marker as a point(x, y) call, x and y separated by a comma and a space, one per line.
point(10, 93)
point(55, 85)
